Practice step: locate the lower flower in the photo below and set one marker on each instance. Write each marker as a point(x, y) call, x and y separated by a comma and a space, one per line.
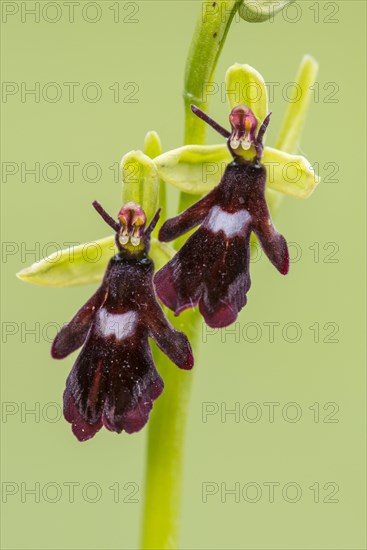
point(114, 380)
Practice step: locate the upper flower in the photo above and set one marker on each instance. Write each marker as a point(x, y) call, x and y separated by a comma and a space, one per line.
point(212, 267)
point(114, 381)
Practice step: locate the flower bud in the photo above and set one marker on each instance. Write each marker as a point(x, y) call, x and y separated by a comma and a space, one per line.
point(258, 11)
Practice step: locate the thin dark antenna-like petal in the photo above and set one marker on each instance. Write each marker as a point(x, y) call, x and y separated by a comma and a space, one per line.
point(153, 223)
point(263, 128)
point(206, 118)
point(105, 216)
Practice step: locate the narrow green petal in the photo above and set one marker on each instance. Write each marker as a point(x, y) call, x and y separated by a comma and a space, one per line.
point(194, 169)
point(289, 174)
point(140, 182)
point(74, 266)
point(246, 86)
point(257, 11)
point(292, 126)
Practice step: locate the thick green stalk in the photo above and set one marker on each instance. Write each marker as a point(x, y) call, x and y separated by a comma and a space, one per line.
point(210, 34)
point(167, 425)
point(166, 437)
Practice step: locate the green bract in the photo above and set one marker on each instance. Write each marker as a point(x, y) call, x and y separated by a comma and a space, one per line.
point(257, 11)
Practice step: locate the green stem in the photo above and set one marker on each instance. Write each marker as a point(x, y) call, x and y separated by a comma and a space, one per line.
point(210, 34)
point(167, 425)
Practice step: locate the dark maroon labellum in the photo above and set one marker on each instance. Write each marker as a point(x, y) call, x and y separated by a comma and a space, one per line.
point(211, 269)
point(114, 380)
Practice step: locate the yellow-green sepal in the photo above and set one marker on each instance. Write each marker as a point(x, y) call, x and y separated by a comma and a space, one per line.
point(84, 264)
point(153, 148)
point(294, 119)
point(291, 175)
point(152, 145)
point(197, 169)
point(194, 169)
point(140, 182)
point(246, 86)
point(78, 265)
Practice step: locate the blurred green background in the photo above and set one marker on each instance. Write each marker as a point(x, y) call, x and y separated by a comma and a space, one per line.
point(312, 450)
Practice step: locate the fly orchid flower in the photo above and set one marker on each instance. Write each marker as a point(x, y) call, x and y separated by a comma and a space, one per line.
point(212, 268)
point(114, 380)
point(73, 266)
